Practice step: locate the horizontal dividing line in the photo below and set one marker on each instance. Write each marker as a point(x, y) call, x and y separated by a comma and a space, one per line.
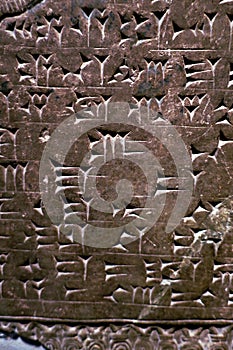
point(83, 89)
point(118, 321)
point(104, 87)
point(107, 254)
point(17, 161)
point(12, 48)
point(5, 220)
point(80, 302)
point(170, 258)
point(90, 49)
point(192, 50)
point(32, 308)
point(14, 161)
point(66, 88)
point(14, 193)
point(14, 125)
point(201, 127)
point(57, 252)
point(203, 89)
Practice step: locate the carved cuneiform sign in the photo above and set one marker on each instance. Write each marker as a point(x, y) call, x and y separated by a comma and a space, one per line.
point(171, 57)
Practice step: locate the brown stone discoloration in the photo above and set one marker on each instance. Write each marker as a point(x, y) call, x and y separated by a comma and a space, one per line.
point(172, 57)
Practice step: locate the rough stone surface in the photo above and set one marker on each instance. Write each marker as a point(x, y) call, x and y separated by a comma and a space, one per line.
point(58, 57)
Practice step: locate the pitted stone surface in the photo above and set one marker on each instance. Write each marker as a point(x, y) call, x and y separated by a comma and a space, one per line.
point(174, 58)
